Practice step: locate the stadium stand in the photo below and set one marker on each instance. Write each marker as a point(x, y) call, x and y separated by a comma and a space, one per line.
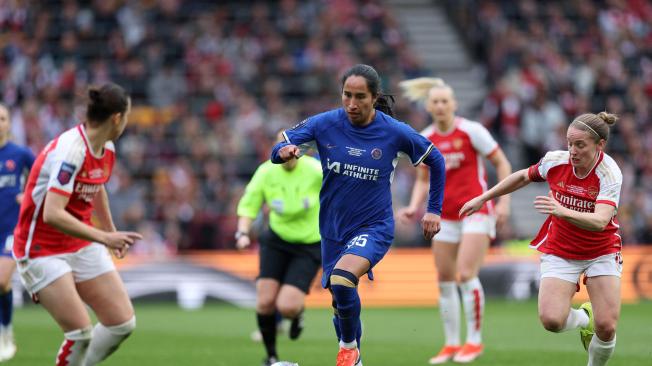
point(212, 81)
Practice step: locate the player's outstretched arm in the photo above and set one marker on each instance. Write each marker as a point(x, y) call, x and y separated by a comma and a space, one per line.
point(503, 170)
point(513, 182)
point(419, 193)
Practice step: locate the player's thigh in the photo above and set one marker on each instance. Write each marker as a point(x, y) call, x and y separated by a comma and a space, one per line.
point(107, 296)
point(354, 263)
point(61, 300)
point(604, 292)
point(7, 267)
point(555, 298)
point(363, 250)
point(445, 254)
point(471, 253)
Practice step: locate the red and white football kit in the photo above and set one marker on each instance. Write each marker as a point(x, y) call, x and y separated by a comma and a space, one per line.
point(66, 166)
point(601, 185)
point(463, 148)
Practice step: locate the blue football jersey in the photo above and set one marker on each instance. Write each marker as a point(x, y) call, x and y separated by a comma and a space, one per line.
point(15, 162)
point(358, 165)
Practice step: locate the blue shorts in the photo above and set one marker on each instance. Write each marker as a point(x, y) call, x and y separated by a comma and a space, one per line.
point(367, 243)
point(6, 244)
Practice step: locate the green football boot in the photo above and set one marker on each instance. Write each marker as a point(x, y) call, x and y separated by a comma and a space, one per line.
point(586, 333)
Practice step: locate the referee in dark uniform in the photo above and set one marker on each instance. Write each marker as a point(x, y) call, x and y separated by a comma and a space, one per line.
point(290, 250)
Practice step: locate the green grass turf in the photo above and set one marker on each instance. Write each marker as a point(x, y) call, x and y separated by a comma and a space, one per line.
point(219, 335)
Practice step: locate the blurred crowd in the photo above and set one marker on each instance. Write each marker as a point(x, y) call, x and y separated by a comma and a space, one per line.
point(547, 62)
point(212, 82)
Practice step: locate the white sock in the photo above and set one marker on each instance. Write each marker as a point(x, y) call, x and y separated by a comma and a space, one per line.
point(107, 339)
point(74, 347)
point(449, 310)
point(600, 351)
point(7, 331)
point(473, 302)
point(577, 318)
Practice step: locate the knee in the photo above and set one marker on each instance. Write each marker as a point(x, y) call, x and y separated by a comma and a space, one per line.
point(466, 275)
point(605, 329)
point(342, 278)
point(445, 277)
point(265, 303)
point(551, 322)
point(5, 286)
point(289, 310)
point(343, 285)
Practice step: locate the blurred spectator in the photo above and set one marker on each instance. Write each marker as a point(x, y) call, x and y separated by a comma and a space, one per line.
point(210, 83)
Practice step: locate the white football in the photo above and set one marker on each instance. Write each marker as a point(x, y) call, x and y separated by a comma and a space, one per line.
point(284, 363)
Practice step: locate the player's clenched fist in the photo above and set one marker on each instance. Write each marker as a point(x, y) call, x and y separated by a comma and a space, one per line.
point(288, 152)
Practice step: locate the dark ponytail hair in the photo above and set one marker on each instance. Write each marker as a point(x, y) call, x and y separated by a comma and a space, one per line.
point(373, 85)
point(105, 101)
point(384, 103)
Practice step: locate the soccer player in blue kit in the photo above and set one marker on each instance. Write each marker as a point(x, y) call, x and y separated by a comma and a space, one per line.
point(15, 162)
point(359, 146)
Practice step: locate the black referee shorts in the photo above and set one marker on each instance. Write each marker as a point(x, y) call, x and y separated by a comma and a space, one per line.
point(288, 263)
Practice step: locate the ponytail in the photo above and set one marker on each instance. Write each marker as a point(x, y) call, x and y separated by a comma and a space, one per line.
point(416, 90)
point(384, 103)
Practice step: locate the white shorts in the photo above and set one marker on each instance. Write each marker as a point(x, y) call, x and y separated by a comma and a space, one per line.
point(570, 270)
point(451, 231)
point(85, 264)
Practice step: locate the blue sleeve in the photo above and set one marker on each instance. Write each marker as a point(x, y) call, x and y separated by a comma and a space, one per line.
point(415, 146)
point(276, 159)
point(299, 135)
point(420, 149)
point(29, 158)
point(435, 161)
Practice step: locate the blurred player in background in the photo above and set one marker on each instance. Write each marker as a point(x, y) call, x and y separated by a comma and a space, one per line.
point(15, 163)
point(62, 259)
point(580, 235)
point(358, 146)
point(459, 248)
point(290, 250)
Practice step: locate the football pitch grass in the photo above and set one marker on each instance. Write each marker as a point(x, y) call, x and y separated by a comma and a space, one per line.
point(219, 335)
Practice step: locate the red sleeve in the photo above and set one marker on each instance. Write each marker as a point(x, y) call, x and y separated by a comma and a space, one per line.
point(533, 173)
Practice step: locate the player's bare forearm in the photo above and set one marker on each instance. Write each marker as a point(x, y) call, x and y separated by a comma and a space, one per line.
point(591, 221)
point(103, 210)
point(244, 224)
point(513, 182)
point(503, 170)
